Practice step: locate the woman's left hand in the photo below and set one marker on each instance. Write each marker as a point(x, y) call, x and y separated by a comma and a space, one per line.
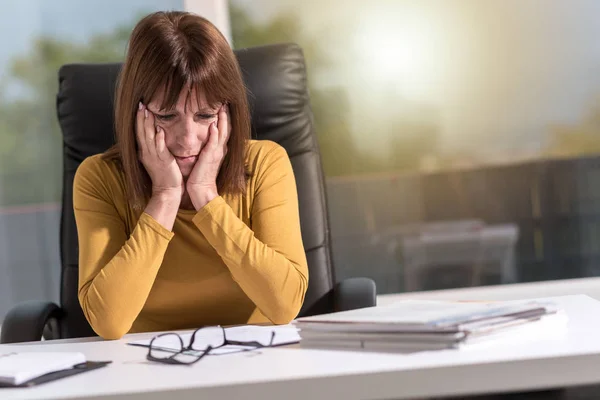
point(202, 183)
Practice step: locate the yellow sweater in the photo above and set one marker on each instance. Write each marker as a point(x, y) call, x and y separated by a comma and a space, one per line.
point(240, 259)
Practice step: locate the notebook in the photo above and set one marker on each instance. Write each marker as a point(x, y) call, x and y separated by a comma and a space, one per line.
point(30, 368)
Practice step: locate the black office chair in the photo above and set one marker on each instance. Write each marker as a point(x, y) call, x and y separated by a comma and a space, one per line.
point(276, 79)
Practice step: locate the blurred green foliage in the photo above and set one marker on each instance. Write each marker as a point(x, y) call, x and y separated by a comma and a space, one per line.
point(30, 138)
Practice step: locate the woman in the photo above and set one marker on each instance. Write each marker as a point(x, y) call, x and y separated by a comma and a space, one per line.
point(186, 222)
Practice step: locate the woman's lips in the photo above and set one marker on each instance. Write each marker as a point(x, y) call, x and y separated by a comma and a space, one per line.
point(186, 160)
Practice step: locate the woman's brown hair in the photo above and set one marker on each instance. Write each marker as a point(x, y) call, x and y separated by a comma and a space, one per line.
point(172, 51)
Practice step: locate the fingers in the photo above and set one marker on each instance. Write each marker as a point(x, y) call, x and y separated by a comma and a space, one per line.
point(228, 122)
point(224, 124)
point(145, 132)
point(213, 138)
point(161, 147)
point(150, 132)
point(139, 130)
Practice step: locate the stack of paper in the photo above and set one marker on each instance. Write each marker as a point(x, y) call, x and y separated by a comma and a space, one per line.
point(413, 325)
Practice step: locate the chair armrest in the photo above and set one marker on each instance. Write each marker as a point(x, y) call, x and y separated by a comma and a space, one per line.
point(26, 321)
point(353, 293)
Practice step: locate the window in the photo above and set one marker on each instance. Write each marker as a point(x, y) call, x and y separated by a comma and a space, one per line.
point(39, 37)
point(459, 138)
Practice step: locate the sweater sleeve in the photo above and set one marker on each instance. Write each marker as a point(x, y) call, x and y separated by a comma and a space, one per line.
point(116, 270)
point(268, 261)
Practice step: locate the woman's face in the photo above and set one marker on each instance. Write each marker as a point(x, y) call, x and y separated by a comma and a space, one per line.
point(185, 126)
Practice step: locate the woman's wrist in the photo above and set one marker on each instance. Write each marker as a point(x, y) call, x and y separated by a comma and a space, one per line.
point(163, 207)
point(202, 195)
point(167, 196)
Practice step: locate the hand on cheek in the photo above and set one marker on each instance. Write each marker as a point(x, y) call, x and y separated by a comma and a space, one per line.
point(202, 181)
point(155, 156)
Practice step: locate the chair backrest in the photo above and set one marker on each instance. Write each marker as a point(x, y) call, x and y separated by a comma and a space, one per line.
point(275, 77)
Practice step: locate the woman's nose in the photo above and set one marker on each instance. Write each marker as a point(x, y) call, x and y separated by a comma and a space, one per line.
point(189, 133)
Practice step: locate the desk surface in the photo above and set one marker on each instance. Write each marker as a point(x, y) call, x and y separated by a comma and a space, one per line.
point(295, 373)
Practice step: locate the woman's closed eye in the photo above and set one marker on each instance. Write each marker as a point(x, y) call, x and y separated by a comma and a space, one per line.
point(205, 116)
point(165, 117)
point(198, 117)
point(170, 117)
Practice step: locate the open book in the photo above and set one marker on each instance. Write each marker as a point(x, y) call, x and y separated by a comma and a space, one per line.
point(18, 368)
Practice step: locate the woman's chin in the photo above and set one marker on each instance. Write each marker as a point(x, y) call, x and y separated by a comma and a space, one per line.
point(185, 171)
point(186, 164)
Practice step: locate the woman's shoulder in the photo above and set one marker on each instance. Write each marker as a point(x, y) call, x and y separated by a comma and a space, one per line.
point(100, 174)
point(262, 147)
point(100, 167)
point(260, 154)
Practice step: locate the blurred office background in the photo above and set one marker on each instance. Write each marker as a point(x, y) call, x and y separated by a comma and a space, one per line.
point(460, 138)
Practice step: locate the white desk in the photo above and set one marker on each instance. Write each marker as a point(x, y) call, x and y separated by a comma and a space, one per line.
point(294, 373)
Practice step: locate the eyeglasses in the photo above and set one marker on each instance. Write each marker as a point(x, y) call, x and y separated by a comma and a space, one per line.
point(201, 342)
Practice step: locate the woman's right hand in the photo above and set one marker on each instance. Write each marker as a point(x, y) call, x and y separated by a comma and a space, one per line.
point(157, 159)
